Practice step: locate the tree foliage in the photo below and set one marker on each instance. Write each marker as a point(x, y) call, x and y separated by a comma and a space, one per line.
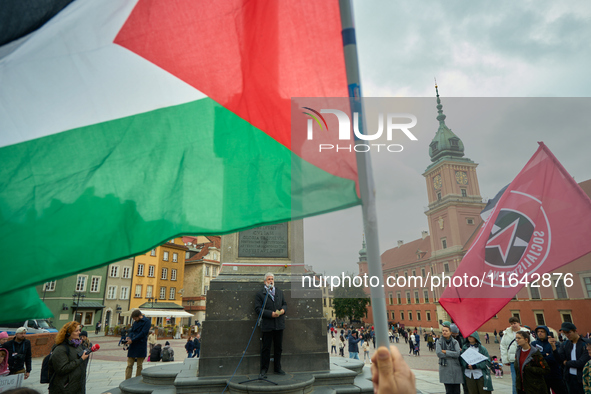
point(350, 302)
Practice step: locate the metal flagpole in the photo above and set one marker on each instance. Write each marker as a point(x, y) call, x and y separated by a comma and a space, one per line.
point(365, 174)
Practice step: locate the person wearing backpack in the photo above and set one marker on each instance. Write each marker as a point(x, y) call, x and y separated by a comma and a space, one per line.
point(167, 353)
point(67, 363)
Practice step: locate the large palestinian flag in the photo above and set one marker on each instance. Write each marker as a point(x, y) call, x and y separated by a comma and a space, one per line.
point(124, 123)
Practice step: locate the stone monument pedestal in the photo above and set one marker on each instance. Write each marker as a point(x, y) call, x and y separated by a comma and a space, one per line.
point(230, 319)
point(230, 312)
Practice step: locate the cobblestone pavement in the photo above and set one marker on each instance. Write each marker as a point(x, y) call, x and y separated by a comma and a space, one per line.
point(426, 368)
point(107, 367)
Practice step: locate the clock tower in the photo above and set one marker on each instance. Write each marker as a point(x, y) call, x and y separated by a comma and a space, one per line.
point(452, 188)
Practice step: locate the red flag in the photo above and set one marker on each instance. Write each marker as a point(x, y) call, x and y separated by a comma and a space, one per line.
point(539, 224)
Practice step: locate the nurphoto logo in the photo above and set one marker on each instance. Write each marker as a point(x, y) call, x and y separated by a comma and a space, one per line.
point(344, 133)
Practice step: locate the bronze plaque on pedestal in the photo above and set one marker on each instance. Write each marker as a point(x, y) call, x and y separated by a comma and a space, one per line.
point(266, 242)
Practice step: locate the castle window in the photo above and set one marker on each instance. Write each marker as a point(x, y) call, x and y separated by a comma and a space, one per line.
point(464, 193)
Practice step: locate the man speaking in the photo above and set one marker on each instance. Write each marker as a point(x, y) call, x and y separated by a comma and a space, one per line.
point(273, 323)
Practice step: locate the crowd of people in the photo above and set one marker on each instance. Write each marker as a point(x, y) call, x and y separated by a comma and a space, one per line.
point(539, 360)
point(539, 363)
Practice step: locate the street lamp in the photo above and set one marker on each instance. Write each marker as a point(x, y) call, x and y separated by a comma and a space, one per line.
point(76, 300)
point(119, 313)
point(152, 300)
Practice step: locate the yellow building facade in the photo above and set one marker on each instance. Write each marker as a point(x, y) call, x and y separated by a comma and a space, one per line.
point(158, 276)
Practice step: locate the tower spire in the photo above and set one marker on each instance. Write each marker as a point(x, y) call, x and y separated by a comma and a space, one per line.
point(363, 251)
point(445, 144)
point(441, 117)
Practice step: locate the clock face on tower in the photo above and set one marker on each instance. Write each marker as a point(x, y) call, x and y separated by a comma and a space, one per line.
point(437, 181)
point(462, 177)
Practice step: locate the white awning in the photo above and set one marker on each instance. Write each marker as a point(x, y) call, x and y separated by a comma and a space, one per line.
point(161, 313)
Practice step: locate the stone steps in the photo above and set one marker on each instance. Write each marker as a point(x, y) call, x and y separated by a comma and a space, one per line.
point(345, 376)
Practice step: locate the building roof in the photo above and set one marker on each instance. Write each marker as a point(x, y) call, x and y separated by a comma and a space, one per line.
point(199, 256)
point(407, 253)
point(586, 186)
point(216, 240)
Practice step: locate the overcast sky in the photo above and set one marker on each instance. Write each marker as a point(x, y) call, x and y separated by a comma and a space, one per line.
point(505, 50)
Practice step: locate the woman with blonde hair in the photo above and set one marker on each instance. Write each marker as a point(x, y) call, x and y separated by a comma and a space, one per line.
point(68, 362)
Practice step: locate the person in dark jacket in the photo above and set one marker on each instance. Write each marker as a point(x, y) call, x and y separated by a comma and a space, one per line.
point(530, 366)
point(19, 350)
point(197, 345)
point(554, 377)
point(156, 353)
point(68, 362)
point(572, 367)
point(271, 302)
point(190, 347)
point(353, 347)
point(137, 340)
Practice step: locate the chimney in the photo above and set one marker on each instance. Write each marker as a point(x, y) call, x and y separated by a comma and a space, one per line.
point(424, 234)
point(400, 242)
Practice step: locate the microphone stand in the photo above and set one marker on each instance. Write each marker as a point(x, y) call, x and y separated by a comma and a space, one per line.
point(260, 318)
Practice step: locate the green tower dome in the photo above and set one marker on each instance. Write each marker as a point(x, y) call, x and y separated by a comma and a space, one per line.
point(363, 251)
point(445, 144)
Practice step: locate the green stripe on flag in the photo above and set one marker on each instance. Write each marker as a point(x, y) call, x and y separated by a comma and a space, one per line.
point(93, 195)
point(22, 305)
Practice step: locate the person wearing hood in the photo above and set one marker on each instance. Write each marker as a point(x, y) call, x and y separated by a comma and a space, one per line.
point(448, 352)
point(530, 366)
point(554, 378)
point(4, 370)
point(3, 337)
point(478, 378)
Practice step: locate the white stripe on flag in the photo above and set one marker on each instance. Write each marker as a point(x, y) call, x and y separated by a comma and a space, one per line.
point(69, 74)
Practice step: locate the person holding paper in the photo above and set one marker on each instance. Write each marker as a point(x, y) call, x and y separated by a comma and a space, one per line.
point(477, 372)
point(448, 352)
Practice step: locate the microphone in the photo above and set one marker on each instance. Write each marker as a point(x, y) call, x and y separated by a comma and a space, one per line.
point(94, 348)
